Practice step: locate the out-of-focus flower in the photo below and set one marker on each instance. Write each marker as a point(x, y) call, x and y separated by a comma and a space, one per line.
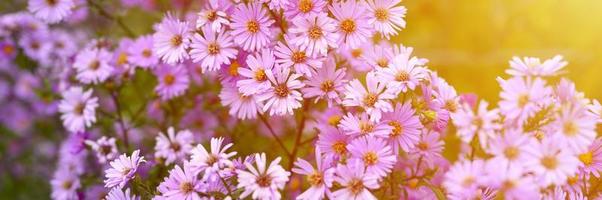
point(78, 109)
point(173, 80)
point(462, 180)
point(51, 11)
point(141, 52)
point(529, 66)
point(65, 185)
point(550, 162)
point(173, 147)
point(522, 98)
point(482, 123)
point(105, 148)
point(574, 128)
point(93, 65)
point(241, 106)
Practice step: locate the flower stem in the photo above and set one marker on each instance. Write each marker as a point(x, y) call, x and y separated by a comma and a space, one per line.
point(265, 121)
point(111, 17)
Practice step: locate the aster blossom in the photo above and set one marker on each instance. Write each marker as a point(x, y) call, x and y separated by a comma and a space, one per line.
point(314, 34)
point(261, 182)
point(250, 26)
point(212, 49)
point(320, 178)
point(403, 72)
point(386, 16)
point(182, 183)
point(480, 123)
point(374, 98)
point(173, 146)
point(118, 194)
point(93, 65)
point(529, 66)
point(361, 126)
point(326, 83)
point(242, 106)
point(51, 11)
point(355, 181)
point(575, 128)
point(303, 8)
point(521, 98)
point(374, 153)
point(123, 169)
point(353, 26)
point(283, 96)
point(78, 108)
point(105, 148)
point(173, 81)
point(171, 39)
point(254, 79)
point(549, 162)
point(290, 55)
point(214, 15)
point(462, 179)
point(405, 127)
point(212, 161)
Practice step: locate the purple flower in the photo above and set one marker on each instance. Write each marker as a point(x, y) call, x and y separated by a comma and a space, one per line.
point(171, 39)
point(141, 52)
point(320, 178)
point(361, 126)
point(262, 182)
point(574, 128)
point(173, 80)
point(406, 127)
point(355, 182)
point(118, 194)
point(481, 123)
point(181, 184)
point(522, 98)
point(283, 95)
point(592, 159)
point(123, 169)
point(173, 147)
point(212, 49)
point(214, 15)
point(462, 179)
point(429, 148)
point(374, 98)
point(386, 16)
point(254, 79)
point(290, 55)
point(51, 11)
point(64, 185)
point(353, 26)
point(374, 153)
point(250, 24)
point(332, 142)
point(105, 148)
point(326, 83)
point(314, 34)
point(550, 162)
point(93, 65)
point(404, 73)
point(303, 8)
point(530, 66)
point(509, 148)
point(241, 106)
point(211, 162)
point(78, 109)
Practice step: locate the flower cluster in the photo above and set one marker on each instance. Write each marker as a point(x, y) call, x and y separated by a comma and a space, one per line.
point(164, 114)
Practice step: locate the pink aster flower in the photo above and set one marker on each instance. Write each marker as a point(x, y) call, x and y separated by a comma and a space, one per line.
point(173, 80)
point(211, 162)
point(374, 98)
point(522, 98)
point(173, 147)
point(429, 148)
point(92, 65)
point(511, 180)
point(118, 194)
point(64, 184)
point(530, 66)
point(592, 159)
point(362, 126)
point(182, 183)
point(332, 142)
point(141, 52)
point(462, 179)
point(250, 24)
point(374, 153)
point(254, 79)
point(574, 128)
point(386, 16)
point(303, 8)
point(212, 49)
point(283, 96)
point(314, 34)
point(214, 15)
point(509, 148)
point(326, 83)
point(262, 182)
point(290, 55)
point(51, 11)
point(406, 128)
point(356, 182)
point(171, 40)
point(241, 106)
point(481, 123)
point(353, 26)
point(78, 109)
point(595, 109)
point(381, 54)
point(105, 148)
point(550, 162)
point(320, 178)
point(403, 72)
point(123, 169)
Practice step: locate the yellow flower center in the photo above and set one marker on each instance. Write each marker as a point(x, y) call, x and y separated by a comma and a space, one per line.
point(315, 33)
point(253, 26)
point(381, 14)
point(570, 128)
point(211, 15)
point(339, 147)
point(176, 40)
point(260, 75)
point(298, 57)
point(523, 100)
point(511, 152)
point(402, 76)
point(397, 128)
point(334, 120)
point(186, 187)
point(356, 53)
point(366, 127)
point(213, 48)
point(315, 178)
point(370, 158)
point(94, 65)
point(147, 53)
point(281, 90)
point(327, 86)
point(8, 49)
point(233, 70)
point(587, 158)
point(348, 26)
point(169, 79)
point(370, 99)
point(549, 162)
point(122, 58)
point(305, 6)
point(356, 186)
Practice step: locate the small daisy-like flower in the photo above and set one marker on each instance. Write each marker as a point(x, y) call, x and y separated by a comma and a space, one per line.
point(353, 26)
point(304, 8)
point(290, 55)
point(522, 98)
point(181, 184)
point(65, 184)
point(105, 148)
point(574, 128)
point(592, 159)
point(481, 123)
point(123, 169)
point(596, 110)
point(326, 83)
point(511, 181)
point(550, 162)
point(92, 65)
point(212, 49)
point(263, 183)
point(461, 181)
point(78, 109)
point(211, 162)
point(429, 148)
point(250, 24)
point(406, 127)
point(403, 72)
point(529, 66)
point(254, 79)
point(320, 178)
point(314, 34)
point(283, 96)
point(374, 98)
point(509, 148)
point(356, 182)
point(173, 81)
point(361, 126)
point(386, 16)
point(374, 153)
point(118, 194)
point(241, 106)
point(332, 142)
point(51, 11)
point(381, 54)
point(173, 146)
point(214, 15)
point(171, 39)
point(141, 52)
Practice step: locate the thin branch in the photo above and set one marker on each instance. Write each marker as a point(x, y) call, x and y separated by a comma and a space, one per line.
point(265, 121)
point(116, 19)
